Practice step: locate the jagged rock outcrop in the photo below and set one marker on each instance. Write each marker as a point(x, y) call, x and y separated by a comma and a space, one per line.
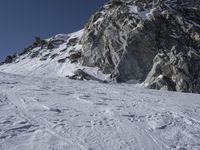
point(80, 74)
point(117, 41)
point(176, 70)
point(10, 59)
point(123, 38)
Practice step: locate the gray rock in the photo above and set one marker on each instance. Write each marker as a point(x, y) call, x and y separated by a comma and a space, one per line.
point(74, 56)
point(118, 41)
point(124, 37)
point(35, 54)
point(54, 56)
point(72, 42)
point(177, 70)
point(9, 59)
point(62, 60)
point(80, 74)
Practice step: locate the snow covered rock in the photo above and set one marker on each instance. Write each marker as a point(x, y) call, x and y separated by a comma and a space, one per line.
point(43, 57)
point(82, 75)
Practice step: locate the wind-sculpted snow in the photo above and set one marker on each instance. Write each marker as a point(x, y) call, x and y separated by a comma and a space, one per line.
point(60, 114)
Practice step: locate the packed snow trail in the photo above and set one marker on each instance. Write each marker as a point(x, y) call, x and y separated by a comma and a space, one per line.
point(59, 114)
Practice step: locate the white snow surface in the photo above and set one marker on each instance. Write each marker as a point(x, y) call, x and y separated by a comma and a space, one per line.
point(38, 113)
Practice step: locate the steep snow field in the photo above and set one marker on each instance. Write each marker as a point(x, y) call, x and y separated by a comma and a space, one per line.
point(45, 62)
point(52, 62)
point(60, 114)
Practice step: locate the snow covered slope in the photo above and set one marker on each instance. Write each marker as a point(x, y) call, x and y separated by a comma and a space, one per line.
point(51, 58)
point(60, 114)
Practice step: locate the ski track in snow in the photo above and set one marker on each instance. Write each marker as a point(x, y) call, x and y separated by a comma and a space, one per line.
point(58, 114)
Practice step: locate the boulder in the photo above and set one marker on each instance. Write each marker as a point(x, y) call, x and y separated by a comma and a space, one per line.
point(10, 59)
point(80, 74)
point(74, 56)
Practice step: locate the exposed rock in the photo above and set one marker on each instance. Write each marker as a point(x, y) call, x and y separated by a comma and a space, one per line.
point(24, 51)
point(119, 41)
point(47, 55)
point(35, 54)
point(54, 56)
point(53, 43)
point(40, 59)
point(43, 58)
point(75, 56)
point(63, 50)
point(58, 41)
point(123, 38)
point(9, 59)
point(152, 41)
point(62, 60)
point(82, 75)
point(50, 45)
point(72, 42)
point(40, 42)
point(178, 70)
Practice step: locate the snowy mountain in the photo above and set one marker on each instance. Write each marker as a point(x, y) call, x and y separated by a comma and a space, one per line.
point(152, 42)
point(54, 57)
point(156, 43)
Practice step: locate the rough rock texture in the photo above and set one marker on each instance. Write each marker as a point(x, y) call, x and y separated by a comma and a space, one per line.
point(176, 70)
point(123, 38)
point(117, 41)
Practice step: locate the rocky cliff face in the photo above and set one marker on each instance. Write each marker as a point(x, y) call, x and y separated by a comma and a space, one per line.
point(176, 70)
point(127, 38)
point(118, 38)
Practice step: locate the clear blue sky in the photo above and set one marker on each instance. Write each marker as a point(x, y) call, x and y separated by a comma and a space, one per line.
point(22, 20)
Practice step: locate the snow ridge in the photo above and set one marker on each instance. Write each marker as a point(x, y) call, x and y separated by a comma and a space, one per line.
point(52, 62)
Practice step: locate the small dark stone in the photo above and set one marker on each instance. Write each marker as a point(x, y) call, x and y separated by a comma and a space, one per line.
point(63, 50)
point(35, 54)
point(54, 56)
point(72, 42)
point(43, 59)
point(62, 60)
point(50, 45)
point(75, 56)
